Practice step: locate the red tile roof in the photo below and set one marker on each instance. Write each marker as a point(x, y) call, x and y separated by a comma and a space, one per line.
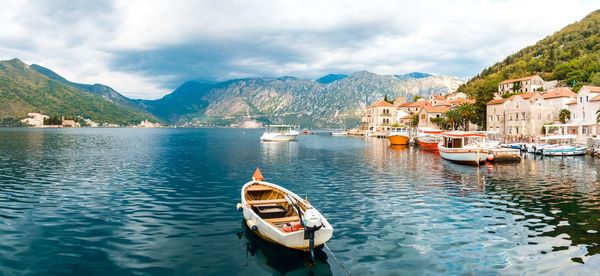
point(381, 104)
point(595, 89)
point(519, 79)
point(559, 92)
point(496, 101)
point(436, 109)
point(594, 99)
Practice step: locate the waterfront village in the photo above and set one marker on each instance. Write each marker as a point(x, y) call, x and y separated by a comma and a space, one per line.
point(522, 110)
point(38, 120)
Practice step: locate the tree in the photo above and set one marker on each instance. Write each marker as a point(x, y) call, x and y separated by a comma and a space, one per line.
point(395, 124)
point(416, 98)
point(385, 98)
point(564, 115)
point(516, 86)
point(466, 114)
point(415, 120)
point(598, 116)
point(440, 121)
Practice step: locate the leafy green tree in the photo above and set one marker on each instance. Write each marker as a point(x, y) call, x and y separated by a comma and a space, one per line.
point(416, 98)
point(564, 115)
point(415, 120)
point(395, 124)
point(440, 121)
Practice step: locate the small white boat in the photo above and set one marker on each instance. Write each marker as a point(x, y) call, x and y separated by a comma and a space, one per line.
point(339, 133)
point(279, 133)
point(279, 216)
point(463, 147)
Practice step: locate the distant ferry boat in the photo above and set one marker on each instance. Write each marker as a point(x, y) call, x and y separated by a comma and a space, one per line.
point(279, 133)
point(399, 136)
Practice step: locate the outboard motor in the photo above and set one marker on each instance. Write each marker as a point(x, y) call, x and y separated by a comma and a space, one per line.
point(312, 223)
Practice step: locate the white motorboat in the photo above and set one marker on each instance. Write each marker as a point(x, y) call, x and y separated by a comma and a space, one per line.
point(279, 133)
point(282, 217)
point(463, 147)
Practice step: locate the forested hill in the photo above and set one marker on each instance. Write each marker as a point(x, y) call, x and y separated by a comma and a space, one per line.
point(571, 55)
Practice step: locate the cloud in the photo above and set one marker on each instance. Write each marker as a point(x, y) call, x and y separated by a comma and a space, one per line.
point(145, 49)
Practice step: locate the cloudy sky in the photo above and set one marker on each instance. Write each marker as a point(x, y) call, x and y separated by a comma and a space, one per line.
point(145, 49)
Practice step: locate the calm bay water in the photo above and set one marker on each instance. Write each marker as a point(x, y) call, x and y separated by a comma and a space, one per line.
point(162, 201)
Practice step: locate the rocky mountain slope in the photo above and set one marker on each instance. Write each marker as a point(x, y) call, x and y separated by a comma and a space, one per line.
point(332, 101)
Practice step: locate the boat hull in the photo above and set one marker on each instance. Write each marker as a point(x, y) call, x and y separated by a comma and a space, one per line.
point(268, 232)
point(399, 139)
point(563, 151)
point(271, 137)
point(428, 143)
point(463, 155)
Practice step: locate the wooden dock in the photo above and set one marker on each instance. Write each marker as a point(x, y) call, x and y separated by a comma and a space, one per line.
point(504, 155)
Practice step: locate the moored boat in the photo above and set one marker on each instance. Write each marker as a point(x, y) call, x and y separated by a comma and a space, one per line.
point(339, 133)
point(280, 216)
point(562, 145)
point(399, 136)
point(463, 147)
point(279, 133)
point(429, 138)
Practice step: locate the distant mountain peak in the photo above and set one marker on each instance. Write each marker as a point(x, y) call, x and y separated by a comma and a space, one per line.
point(329, 78)
point(413, 75)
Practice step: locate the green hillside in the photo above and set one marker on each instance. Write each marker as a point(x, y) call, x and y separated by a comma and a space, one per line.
point(571, 55)
point(24, 90)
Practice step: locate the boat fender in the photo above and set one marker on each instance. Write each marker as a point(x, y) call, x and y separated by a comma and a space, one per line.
point(252, 225)
point(490, 157)
point(239, 207)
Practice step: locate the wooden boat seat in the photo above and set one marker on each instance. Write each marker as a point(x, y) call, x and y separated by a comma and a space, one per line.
point(267, 201)
point(258, 188)
point(283, 219)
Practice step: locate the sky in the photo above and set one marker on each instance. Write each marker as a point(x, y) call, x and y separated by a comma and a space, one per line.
point(145, 49)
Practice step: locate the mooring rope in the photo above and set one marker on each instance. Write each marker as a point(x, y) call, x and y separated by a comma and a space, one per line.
point(337, 261)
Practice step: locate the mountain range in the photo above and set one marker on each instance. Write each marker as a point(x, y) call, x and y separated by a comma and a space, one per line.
point(334, 100)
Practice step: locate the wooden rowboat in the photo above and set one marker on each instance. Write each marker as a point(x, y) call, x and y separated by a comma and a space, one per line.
point(279, 216)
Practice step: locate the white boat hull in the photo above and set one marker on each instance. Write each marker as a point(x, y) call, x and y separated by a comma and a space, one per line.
point(564, 151)
point(278, 137)
point(470, 156)
point(267, 231)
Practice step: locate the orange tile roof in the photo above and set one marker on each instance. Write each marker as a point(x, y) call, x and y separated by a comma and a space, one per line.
point(525, 96)
point(381, 104)
point(404, 104)
point(595, 89)
point(559, 92)
point(496, 101)
point(594, 99)
point(436, 109)
point(518, 79)
point(439, 97)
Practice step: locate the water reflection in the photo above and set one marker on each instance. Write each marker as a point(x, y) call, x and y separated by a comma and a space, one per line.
point(279, 259)
point(278, 151)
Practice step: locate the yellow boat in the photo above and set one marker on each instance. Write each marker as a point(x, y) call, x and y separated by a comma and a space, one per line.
point(399, 136)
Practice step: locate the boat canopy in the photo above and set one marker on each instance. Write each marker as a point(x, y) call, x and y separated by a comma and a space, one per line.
point(559, 137)
point(459, 134)
point(430, 130)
